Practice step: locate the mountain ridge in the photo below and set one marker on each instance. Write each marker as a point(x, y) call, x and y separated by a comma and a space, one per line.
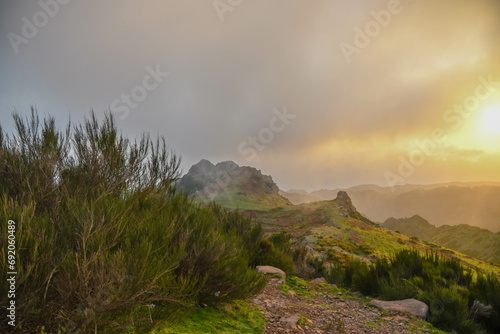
point(473, 203)
point(333, 228)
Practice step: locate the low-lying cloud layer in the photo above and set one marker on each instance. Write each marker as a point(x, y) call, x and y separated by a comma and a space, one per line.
point(356, 113)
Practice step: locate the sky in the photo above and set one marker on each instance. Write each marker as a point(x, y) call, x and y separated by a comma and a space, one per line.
point(321, 94)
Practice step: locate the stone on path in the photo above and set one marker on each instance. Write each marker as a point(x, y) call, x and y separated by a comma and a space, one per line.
point(272, 271)
point(411, 306)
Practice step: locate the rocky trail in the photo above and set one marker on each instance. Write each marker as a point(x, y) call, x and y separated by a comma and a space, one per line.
point(302, 307)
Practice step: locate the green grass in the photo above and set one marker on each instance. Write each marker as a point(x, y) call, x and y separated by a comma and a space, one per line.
point(307, 289)
point(371, 241)
point(417, 325)
point(235, 197)
point(372, 324)
point(236, 317)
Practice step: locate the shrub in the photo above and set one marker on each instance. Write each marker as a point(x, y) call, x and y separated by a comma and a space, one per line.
point(277, 252)
point(102, 232)
point(486, 289)
point(448, 309)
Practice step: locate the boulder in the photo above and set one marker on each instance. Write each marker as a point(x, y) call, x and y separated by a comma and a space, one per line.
point(272, 271)
point(319, 280)
point(411, 306)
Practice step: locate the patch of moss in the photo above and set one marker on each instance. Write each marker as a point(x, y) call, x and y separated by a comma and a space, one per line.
point(234, 318)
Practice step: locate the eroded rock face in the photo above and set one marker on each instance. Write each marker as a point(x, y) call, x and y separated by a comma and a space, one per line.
point(204, 176)
point(344, 201)
point(411, 306)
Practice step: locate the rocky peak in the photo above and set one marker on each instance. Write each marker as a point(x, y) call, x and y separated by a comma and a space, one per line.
point(202, 167)
point(226, 166)
point(344, 203)
point(343, 200)
point(205, 179)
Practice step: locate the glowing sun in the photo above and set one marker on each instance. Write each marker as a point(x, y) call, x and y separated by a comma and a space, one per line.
point(489, 122)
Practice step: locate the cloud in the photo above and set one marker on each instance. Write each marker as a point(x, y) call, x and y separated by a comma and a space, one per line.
point(226, 77)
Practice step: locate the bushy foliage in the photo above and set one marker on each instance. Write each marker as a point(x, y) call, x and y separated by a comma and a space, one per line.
point(102, 233)
point(276, 251)
point(442, 283)
point(486, 289)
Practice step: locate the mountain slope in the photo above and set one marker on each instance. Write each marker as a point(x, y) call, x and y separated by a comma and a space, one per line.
point(466, 239)
point(232, 186)
point(335, 230)
point(476, 204)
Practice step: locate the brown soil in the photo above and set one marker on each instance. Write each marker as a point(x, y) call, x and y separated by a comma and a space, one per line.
point(322, 311)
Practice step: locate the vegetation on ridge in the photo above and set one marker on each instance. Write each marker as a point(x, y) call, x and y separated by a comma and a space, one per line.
point(103, 239)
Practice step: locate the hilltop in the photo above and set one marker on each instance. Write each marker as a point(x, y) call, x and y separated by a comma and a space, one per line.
point(232, 186)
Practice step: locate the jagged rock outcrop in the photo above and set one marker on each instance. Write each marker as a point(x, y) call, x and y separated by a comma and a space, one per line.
point(207, 177)
point(344, 201)
point(231, 185)
point(347, 209)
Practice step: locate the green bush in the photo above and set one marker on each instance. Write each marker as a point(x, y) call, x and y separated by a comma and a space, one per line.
point(393, 288)
point(486, 289)
point(448, 309)
point(102, 233)
point(442, 283)
point(276, 251)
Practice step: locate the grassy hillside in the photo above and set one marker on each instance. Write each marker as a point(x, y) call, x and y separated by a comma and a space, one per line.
point(470, 240)
point(329, 232)
point(351, 251)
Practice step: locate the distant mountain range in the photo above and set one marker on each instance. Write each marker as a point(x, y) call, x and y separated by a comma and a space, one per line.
point(470, 240)
point(475, 203)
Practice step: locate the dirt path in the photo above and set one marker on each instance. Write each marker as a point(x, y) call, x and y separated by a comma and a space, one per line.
point(321, 308)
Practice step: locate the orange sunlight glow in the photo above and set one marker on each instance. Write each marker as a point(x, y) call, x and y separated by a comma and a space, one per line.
point(489, 122)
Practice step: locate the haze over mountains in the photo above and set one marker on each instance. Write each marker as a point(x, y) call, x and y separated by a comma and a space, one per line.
point(470, 240)
point(475, 203)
